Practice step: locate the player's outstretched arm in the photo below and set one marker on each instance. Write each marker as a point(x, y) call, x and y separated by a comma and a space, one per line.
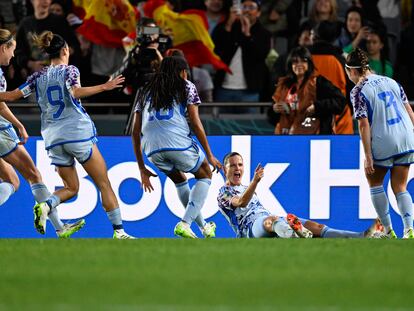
point(247, 195)
point(365, 133)
point(6, 113)
point(112, 83)
point(11, 95)
point(136, 142)
point(201, 136)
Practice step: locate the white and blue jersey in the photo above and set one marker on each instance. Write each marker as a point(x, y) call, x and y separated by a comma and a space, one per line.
point(8, 136)
point(63, 119)
point(381, 100)
point(4, 124)
point(240, 219)
point(167, 130)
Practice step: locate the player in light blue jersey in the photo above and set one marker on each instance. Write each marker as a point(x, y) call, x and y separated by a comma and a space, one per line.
point(68, 131)
point(14, 155)
point(385, 121)
point(250, 219)
point(162, 132)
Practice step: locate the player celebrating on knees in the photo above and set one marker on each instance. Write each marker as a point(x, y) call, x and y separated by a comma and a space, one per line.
point(250, 219)
point(162, 132)
point(68, 131)
point(385, 121)
point(14, 155)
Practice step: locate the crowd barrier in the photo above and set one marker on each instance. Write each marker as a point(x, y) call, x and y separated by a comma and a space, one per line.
point(317, 177)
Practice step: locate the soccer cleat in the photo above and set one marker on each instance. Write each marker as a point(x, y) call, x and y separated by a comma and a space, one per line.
point(408, 234)
point(40, 211)
point(296, 225)
point(120, 234)
point(391, 234)
point(209, 230)
point(378, 235)
point(70, 228)
point(183, 230)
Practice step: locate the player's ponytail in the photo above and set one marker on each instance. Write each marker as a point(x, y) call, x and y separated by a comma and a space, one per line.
point(6, 37)
point(50, 43)
point(358, 60)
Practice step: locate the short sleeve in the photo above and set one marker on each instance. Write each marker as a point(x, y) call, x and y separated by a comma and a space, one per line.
point(72, 77)
point(30, 85)
point(403, 95)
point(3, 83)
point(359, 103)
point(224, 198)
point(192, 94)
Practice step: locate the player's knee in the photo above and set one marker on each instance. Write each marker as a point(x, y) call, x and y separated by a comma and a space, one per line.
point(268, 223)
point(16, 183)
point(204, 171)
point(397, 187)
point(33, 175)
point(73, 189)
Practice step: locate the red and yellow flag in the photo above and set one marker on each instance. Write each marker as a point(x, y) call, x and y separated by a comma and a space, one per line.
point(189, 32)
point(105, 22)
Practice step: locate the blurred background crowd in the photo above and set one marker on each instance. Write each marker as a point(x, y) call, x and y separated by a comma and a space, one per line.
point(238, 51)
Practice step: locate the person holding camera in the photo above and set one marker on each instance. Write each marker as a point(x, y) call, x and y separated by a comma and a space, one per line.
point(142, 61)
point(242, 43)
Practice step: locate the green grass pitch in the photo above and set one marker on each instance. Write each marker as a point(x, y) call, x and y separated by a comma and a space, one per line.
point(220, 274)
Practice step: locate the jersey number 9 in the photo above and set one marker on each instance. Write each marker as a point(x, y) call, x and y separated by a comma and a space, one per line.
point(56, 90)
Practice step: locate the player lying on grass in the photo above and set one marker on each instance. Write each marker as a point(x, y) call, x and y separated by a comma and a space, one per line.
point(249, 219)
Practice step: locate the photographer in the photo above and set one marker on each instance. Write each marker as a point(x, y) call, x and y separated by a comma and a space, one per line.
point(143, 60)
point(242, 43)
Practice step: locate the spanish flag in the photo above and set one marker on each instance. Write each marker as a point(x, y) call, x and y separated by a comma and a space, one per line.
point(105, 22)
point(189, 32)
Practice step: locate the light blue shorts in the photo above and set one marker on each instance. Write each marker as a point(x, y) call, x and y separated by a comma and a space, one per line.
point(405, 159)
point(8, 141)
point(65, 155)
point(187, 161)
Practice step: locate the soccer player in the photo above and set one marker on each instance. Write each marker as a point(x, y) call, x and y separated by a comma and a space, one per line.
point(14, 155)
point(385, 121)
point(68, 131)
point(162, 132)
point(249, 219)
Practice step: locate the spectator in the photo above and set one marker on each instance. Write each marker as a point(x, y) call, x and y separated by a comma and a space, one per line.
point(279, 69)
point(354, 32)
point(57, 8)
point(370, 7)
point(274, 17)
point(323, 10)
point(377, 50)
point(242, 43)
point(215, 12)
point(330, 63)
point(405, 63)
point(29, 57)
point(199, 76)
point(305, 100)
point(390, 11)
point(142, 62)
point(304, 38)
